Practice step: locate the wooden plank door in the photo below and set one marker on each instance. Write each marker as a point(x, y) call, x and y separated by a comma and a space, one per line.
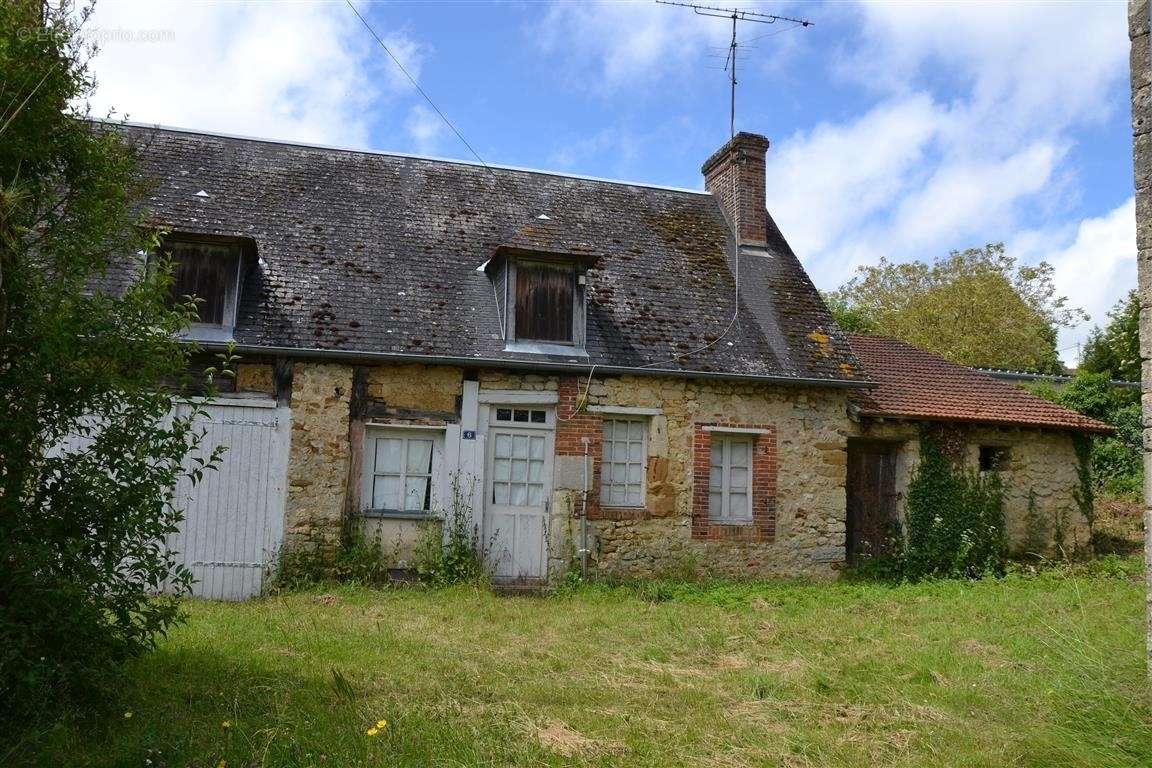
point(871, 519)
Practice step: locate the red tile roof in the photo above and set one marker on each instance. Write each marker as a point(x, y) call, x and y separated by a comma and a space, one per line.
point(912, 383)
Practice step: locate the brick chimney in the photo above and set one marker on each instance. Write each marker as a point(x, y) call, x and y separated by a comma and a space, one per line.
point(734, 174)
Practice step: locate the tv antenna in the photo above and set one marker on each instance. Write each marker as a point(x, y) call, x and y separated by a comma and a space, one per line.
point(737, 15)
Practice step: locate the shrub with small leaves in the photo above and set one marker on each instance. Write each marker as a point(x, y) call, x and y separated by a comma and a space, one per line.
point(955, 520)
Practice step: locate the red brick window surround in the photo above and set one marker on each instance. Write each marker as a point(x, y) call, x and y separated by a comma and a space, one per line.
point(762, 527)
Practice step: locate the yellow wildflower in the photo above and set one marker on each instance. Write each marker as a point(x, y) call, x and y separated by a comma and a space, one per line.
point(373, 731)
point(128, 715)
point(381, 724)
point(226, 724)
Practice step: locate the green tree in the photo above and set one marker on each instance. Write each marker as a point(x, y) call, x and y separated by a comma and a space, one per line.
point(1114, 350)
point(851, 317)
point(978, 307)
point(82, 527)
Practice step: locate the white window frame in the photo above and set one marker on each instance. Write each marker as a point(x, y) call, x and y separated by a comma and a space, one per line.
point(724, 514)
point(369, 473)
point(606, 487)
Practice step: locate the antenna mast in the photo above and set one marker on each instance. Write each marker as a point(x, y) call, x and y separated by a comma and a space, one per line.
point(737, 15)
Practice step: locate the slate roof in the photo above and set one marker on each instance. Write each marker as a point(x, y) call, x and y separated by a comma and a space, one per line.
point(913, 383)
point(364, 253)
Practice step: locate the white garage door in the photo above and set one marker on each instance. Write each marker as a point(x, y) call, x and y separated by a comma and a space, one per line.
point(234, 517)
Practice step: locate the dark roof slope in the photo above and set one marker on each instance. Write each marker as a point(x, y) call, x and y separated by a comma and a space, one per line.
point(373, 253)
point(916, 384)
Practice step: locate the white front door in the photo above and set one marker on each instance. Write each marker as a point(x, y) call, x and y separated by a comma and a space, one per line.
point(518, 491)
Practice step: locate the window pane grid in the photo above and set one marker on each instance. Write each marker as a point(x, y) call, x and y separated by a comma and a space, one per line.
point(730, 479)
point(402, 474)
point(518, 470)
point(623, 465)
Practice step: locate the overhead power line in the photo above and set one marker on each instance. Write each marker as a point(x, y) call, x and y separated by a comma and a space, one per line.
point(427, 98)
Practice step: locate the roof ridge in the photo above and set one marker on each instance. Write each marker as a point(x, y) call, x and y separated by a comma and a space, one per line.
point(406, 155)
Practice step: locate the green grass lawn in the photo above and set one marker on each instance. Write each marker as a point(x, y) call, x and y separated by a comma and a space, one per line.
point(1031, 671)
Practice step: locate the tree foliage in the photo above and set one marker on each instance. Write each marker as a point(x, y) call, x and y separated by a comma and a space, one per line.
point(1114, 350)
point(1116, 460)
point(88, 458)
point(977, 307)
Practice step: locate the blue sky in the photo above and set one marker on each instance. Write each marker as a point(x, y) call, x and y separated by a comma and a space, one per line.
point(898, 129)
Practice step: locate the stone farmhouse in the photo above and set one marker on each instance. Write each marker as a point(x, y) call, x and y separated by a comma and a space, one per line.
point(623, 375)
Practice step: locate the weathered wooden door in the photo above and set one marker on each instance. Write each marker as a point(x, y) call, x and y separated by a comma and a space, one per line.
point(234, 518)
point(872, 519)
point(517, 494)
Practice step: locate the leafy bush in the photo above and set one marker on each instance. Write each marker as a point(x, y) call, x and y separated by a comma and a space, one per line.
point(450, 552)
point(357, 559)
point(1117, 463)
point(89, 460)
point(361, 560)
point(955, 520)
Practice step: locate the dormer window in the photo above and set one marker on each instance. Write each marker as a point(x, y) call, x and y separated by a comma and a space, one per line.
point(208, 270)
point(545, 301)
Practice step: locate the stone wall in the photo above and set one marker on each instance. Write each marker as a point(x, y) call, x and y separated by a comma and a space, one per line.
point(318, 457)
point(807, 425)
point(1141, 70)
point(1042, 466)
point(799, 469)
point(810, 427)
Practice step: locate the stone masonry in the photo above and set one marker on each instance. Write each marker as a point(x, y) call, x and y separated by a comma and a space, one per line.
point(1141, 68)
point(798, 478)
point(1039, 481)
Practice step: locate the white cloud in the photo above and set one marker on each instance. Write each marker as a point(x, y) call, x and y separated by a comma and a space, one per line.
point(1094, 264)
point(300, 71)
point(974, 110)
point(426, 129)
point(1023, 57)
point(614, 45)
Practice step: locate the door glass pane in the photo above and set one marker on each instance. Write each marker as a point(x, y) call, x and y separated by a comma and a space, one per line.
point(420, 456)
point(519, 471)
point(502, 469)
point(715, 502)
point(535, 470)
point(388, 454)
point(537, 447)
point(503, 445)
point(519, 495)
point(500, 493)
point(738, 450)
point(520, 446)
point(535, 494)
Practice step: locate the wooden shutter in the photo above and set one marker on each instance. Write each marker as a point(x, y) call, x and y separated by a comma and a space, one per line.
point(206, 272)
point(544, 299)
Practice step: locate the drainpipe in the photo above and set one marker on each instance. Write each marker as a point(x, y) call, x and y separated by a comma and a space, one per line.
point(584, 516)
